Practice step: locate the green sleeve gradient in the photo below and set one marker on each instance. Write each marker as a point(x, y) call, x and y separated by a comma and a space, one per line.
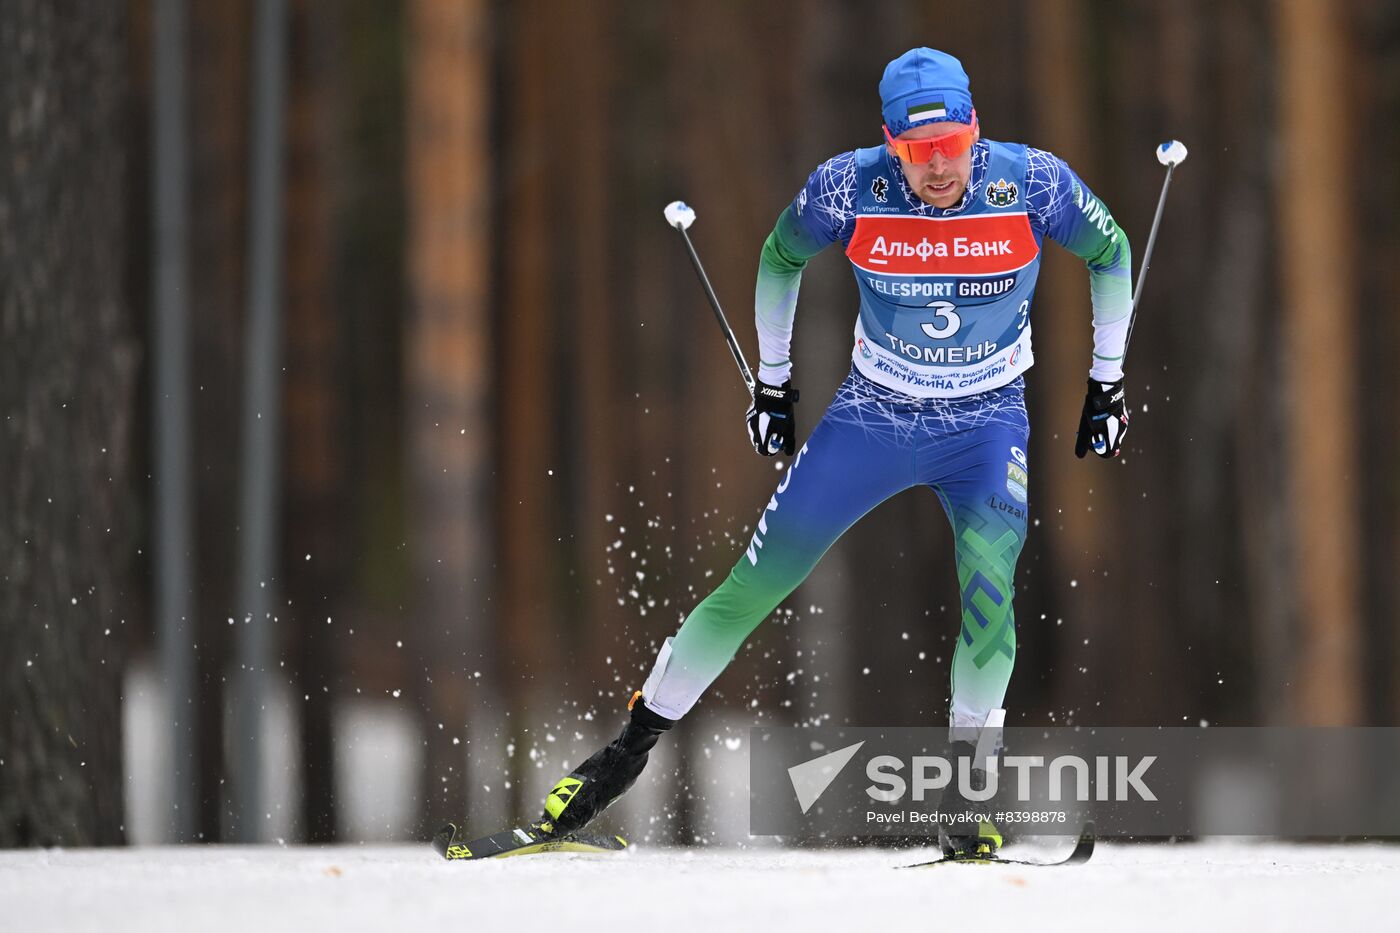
point(785, 255)
point(1090, 232)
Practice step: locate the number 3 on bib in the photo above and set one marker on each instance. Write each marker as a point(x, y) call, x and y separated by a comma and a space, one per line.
point(946, 311)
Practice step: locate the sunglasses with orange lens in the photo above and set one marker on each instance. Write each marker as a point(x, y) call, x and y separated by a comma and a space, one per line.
point(949, 145)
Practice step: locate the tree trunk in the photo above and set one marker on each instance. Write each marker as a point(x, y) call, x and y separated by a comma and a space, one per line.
point(316, 530)
point(218, 126)
point(1062, 498)
point(536, 297)
point(68, 361)
point(1317, 267)
point(449, 375)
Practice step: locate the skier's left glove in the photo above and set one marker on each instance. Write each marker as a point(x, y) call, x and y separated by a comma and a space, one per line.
point(772, 427)
point(1104, 422)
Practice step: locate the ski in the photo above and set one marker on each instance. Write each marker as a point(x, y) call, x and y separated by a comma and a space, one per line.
point(1083, 850)
point(519, 841)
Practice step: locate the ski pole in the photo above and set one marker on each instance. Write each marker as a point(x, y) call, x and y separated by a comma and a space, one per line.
point(1171, 154)
point(681, 216)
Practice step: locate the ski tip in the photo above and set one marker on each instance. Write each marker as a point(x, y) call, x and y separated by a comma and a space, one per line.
point(444, 838)
point(1084, 848)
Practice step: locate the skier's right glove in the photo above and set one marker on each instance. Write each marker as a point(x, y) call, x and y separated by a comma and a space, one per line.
point(772, 426)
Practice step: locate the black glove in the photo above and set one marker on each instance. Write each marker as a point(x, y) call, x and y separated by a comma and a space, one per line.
point(772, 427)
point(1104, 421)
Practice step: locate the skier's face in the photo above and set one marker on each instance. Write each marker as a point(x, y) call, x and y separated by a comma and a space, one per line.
point(940, 181)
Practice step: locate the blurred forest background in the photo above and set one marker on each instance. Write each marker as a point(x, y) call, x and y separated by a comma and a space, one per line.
point(363, 429)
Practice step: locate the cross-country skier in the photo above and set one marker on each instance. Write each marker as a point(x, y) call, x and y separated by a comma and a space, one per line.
point(943, 230)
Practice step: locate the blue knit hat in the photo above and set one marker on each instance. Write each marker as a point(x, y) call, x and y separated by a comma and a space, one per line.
point(924, 85)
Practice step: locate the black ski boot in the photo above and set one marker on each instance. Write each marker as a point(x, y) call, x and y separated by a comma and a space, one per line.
point(594, 785)
point(972, 835)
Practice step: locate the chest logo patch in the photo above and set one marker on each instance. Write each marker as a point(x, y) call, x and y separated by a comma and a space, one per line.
point(1002, 193)
point(880, 188)
point(994, 243)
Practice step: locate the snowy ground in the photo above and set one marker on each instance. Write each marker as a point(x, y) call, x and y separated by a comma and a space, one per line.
point(1204, 886)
